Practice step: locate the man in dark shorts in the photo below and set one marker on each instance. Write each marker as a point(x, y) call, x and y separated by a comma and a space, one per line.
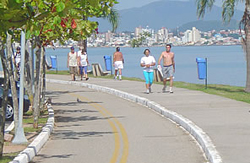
point(168, 67)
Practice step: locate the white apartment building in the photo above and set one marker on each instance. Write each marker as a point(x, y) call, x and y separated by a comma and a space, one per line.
point(138, 31)
point(196, 35)
point(108, 36)
point(191, 36)
point(162, 34)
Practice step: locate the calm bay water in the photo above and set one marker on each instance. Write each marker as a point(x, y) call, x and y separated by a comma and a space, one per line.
point(226, 64)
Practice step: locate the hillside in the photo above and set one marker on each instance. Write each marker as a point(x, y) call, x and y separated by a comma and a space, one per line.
point(210, 25)
point(159, 14)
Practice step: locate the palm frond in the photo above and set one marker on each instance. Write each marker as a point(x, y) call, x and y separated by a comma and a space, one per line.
point(113, 18)
point(203, 5)
point(228, 9)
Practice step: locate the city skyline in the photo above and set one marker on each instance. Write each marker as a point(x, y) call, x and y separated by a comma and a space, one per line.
point(160, 37)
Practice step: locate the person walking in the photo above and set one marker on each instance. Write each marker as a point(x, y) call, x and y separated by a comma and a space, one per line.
point(148, 62)
point(17, 62)
point(118, 62)
point(83, 63)
point(168, 68)
point(72, 63)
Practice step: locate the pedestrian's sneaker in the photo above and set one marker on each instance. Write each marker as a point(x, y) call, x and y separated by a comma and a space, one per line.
point(171, 90)
point(147, 91)
point(115, 77)
point(164, 89)
point(150, 91)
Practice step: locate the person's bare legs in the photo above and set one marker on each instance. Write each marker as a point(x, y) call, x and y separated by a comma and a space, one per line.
point(171, 84)
point(164, 85)
point(73, 77)
point(115, 77)
point(120, 74)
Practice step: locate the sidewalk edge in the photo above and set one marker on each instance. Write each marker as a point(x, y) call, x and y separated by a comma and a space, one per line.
point(34, 147)
point(200, 136)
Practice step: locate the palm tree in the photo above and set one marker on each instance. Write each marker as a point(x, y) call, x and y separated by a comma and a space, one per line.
point(227, 13)
point(113, 18)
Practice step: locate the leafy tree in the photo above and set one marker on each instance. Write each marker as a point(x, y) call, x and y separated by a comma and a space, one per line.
point(140, 40)
point(227, 13)
point(46, 21)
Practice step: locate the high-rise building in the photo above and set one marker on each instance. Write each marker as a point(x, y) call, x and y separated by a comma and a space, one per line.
point(196, 35)
point(108, 36)
point(138, 31)
point(163, 34)
point(191, 36)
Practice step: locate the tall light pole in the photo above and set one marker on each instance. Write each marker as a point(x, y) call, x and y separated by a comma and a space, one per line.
point(19, 135)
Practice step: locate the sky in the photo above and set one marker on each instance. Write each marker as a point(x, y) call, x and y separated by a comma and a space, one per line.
point(125, 4)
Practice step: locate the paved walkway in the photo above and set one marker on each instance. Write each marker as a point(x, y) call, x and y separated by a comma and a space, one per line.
point(95, 127)
point(226, 121)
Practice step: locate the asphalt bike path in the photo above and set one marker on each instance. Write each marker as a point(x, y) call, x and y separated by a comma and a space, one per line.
point(96, 127)
point(225, 121)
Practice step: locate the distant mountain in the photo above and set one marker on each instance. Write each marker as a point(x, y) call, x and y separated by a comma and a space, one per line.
point(210, 25)
point(169, 14)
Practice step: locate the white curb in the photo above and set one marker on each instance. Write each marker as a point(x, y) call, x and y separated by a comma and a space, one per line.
point(10, 127)
point(31, 151)
point(201, 137)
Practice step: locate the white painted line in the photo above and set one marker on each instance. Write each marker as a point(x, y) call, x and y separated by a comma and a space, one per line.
point(200, 136)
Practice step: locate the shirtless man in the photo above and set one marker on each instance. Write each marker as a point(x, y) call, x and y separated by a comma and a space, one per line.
point(168, 67)
point(118, 62)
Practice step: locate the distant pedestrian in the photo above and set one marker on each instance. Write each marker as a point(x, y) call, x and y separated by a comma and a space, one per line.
point(17, 61)
point(148, 62)
point(168, 67)
point(72, 63)
point(17, 58)
point(118, 62)
point(83, 63)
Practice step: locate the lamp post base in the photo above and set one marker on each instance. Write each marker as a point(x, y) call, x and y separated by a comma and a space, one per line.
point(19, 137)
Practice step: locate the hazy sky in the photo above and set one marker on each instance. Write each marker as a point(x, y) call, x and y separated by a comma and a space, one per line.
point(125, 4)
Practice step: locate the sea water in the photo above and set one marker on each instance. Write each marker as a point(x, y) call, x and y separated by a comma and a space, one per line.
point(226, 64)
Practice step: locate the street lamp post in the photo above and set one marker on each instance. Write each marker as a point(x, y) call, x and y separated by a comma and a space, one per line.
point(19, 135)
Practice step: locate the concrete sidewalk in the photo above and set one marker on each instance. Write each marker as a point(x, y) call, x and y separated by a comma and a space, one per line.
point(226, 122)
point(96, 127)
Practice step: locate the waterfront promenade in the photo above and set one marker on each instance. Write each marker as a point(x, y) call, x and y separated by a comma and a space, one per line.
point(225, 121)
point(95, 127)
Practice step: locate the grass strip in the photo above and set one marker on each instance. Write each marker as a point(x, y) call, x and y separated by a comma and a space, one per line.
point(231, 92)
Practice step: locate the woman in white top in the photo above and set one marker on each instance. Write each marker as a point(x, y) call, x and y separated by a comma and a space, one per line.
point(83, 63)
point(148, 62)
point(72, 63)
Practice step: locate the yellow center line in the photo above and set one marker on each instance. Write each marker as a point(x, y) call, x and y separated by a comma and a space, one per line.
point(108, 114)
point(112, 124)
point(124, 136)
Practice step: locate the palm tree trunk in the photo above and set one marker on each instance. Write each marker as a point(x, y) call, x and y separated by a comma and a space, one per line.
point(247, 44)
point(247, 89)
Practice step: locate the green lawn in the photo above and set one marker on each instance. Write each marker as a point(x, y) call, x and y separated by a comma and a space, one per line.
point(8, 157)
point(232, 92)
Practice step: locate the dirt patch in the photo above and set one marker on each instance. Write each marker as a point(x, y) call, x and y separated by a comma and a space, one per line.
point(9, 147)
